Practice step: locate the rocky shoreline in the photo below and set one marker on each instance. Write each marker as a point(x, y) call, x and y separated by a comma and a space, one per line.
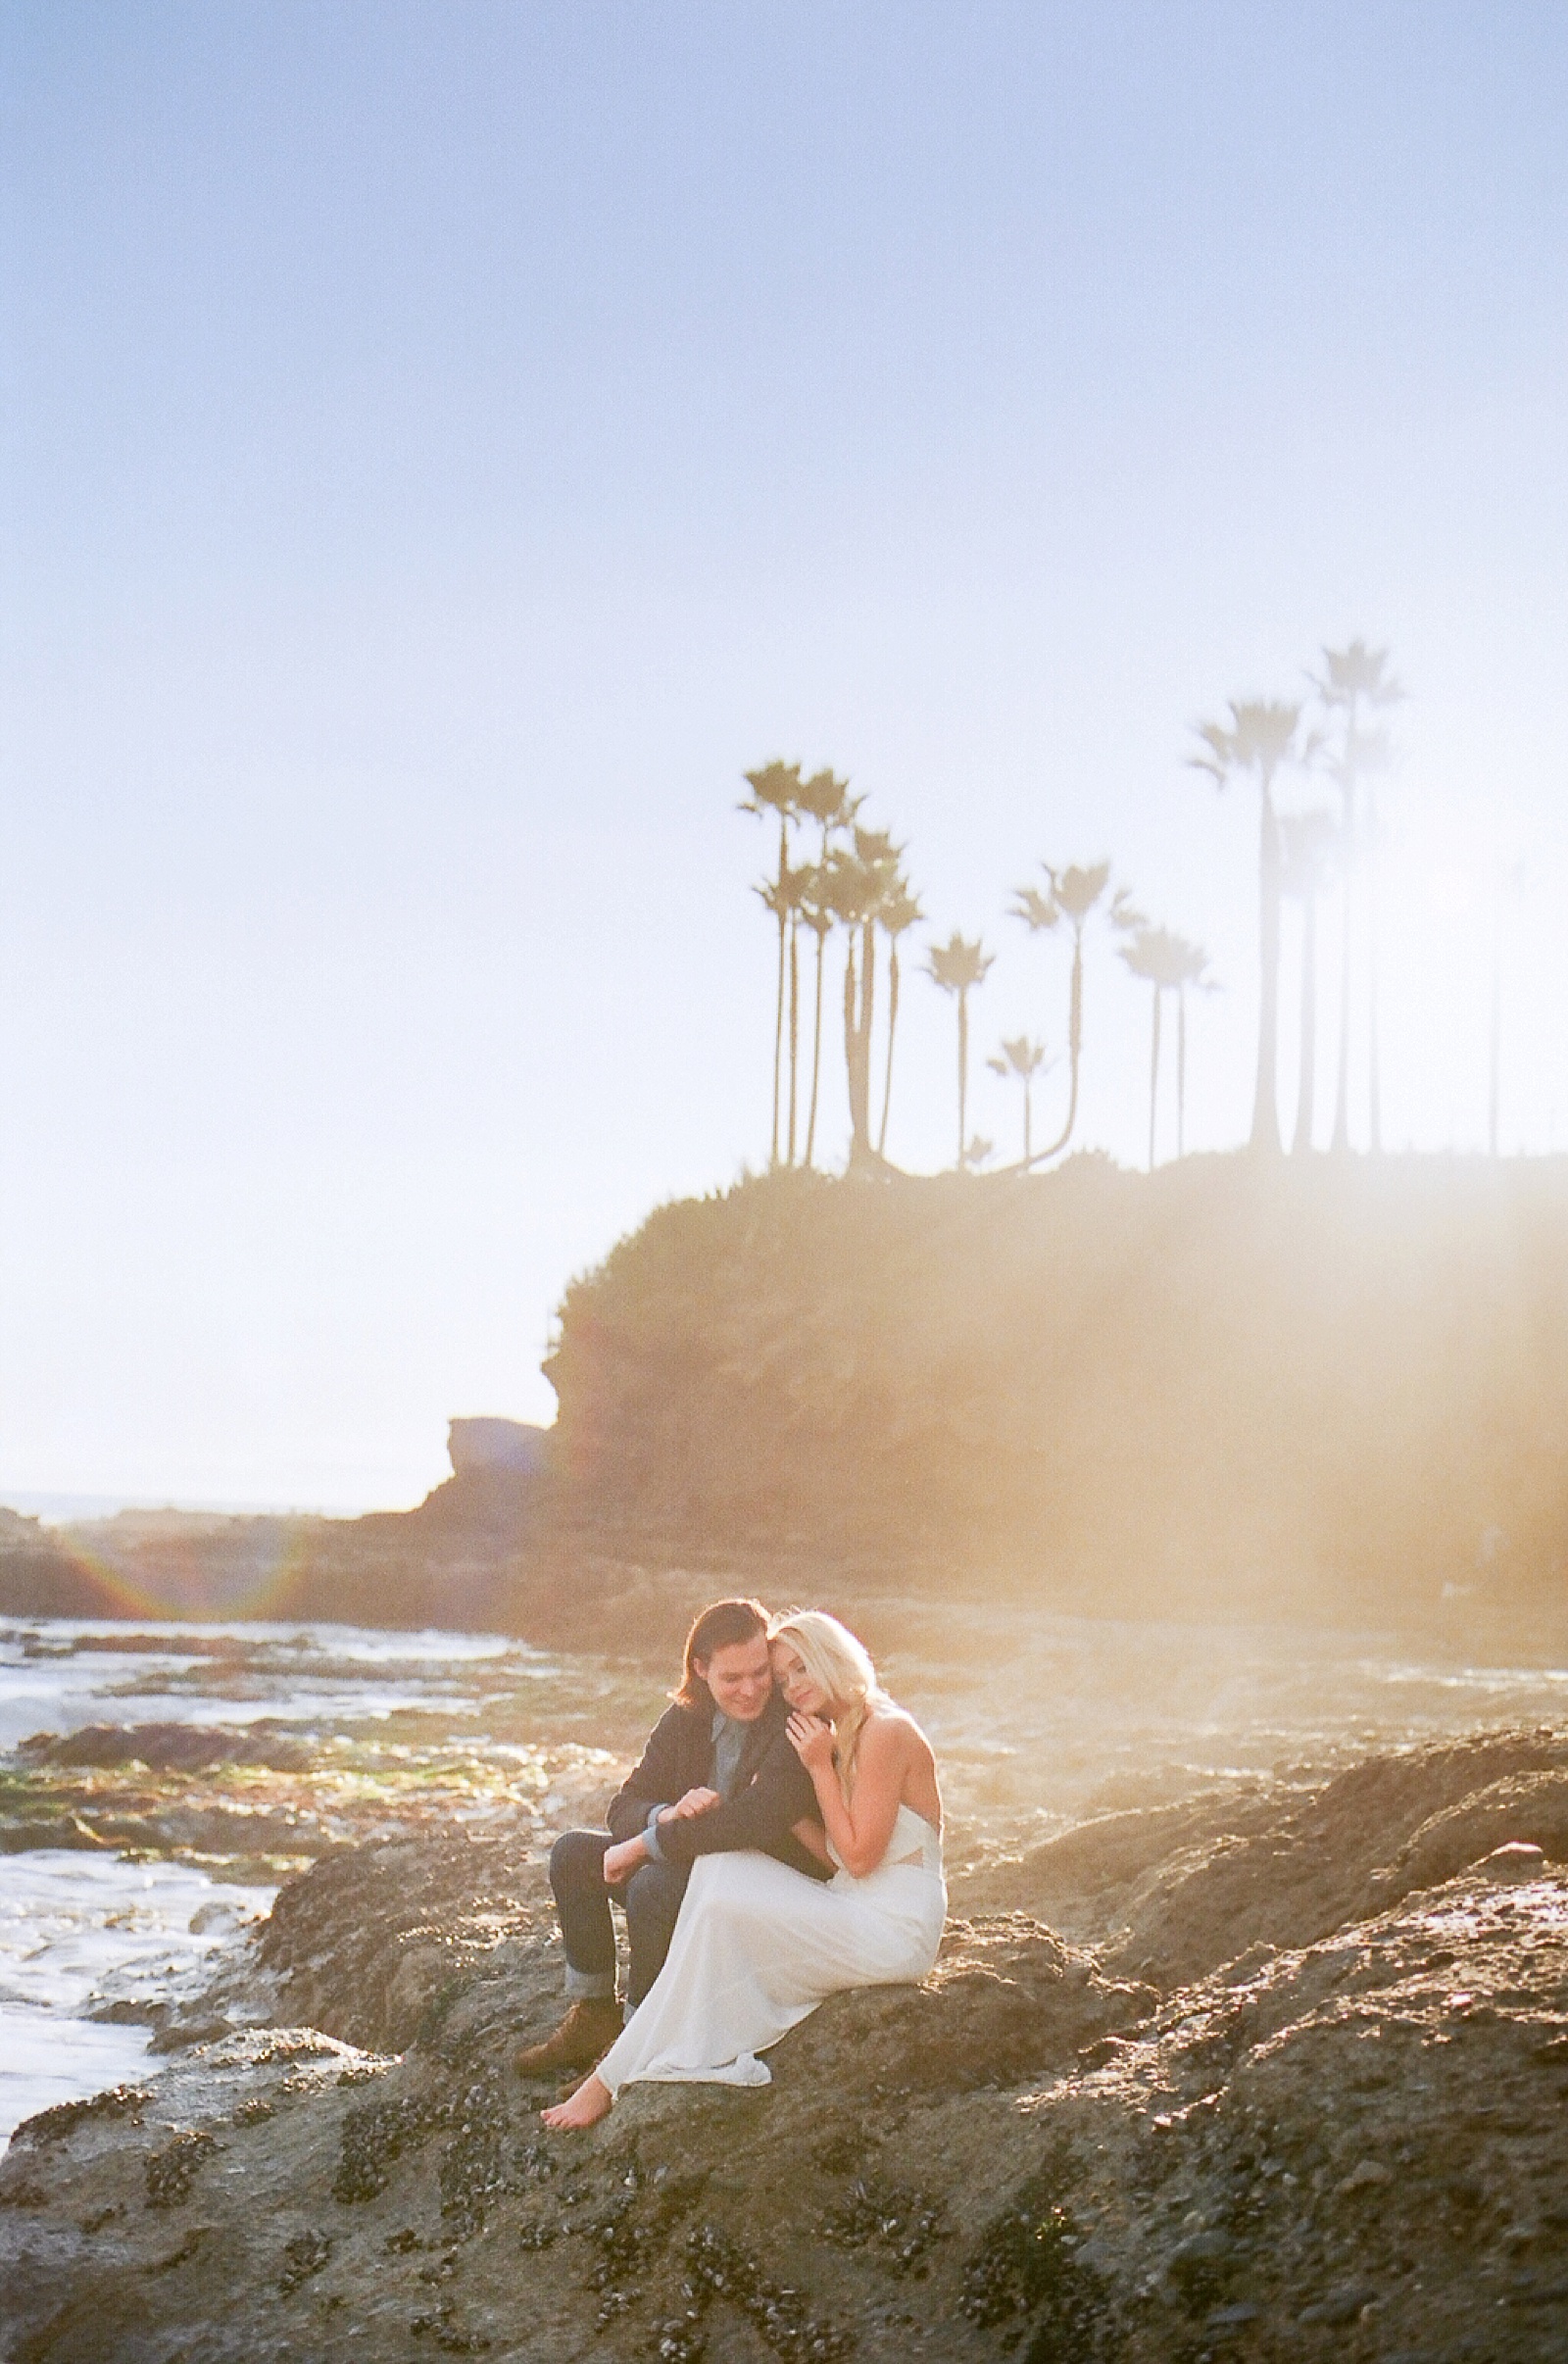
point(1279, 2073)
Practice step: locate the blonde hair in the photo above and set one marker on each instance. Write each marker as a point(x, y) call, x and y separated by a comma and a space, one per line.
point(839, 1664)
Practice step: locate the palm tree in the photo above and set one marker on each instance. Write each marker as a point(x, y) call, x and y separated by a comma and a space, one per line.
point(825, 799)
point(1024, 1059)
point(897, 912)
point(849, 893)
point(785, 896)
point(775, 788)
point(794, 885)
point(1169, 964)
point(959, 967)
point(864, 888)
point(816, 913)
point(1308, 844)
point(1353, 678)
point(1193, 965)
point(1074, 895)
point(855, 881)
point(1258, 738)
point(877, 858)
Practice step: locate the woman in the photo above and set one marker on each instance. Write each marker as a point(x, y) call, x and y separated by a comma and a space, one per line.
point(757, 1946)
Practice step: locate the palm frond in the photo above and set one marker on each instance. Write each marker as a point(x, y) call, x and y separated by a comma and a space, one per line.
point(775, 788)
point(957, 965)
point(1163, 959)
point(1037, 912)
point(1077, 890)
point(825, 799)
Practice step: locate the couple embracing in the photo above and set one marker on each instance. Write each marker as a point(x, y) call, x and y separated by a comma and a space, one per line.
point(780, 1842)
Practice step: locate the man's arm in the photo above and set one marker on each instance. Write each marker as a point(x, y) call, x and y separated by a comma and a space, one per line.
point(664, 1774)
point(761, 1816)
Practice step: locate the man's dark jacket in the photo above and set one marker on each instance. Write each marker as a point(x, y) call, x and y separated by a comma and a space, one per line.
point(772, 1791)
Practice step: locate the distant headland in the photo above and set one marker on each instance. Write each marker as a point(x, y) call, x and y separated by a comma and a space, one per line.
point(1322, 1388)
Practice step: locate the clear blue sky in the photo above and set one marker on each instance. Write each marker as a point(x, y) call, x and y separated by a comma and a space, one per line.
point(444, 444)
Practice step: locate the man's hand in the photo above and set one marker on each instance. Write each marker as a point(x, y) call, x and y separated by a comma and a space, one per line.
point(622, 1860)
point(812, 1740)
point(695, 1802)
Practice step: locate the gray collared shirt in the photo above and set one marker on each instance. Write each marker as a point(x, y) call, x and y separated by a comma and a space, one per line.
point(729, 1743)
point(729, 1740)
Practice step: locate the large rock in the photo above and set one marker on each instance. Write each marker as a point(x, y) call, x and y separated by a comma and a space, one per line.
point(40, 1577)
point(1334, 2151)
point(482, 1445)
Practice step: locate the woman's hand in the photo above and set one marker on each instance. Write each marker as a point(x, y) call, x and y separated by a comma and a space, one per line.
point(812, 1740)
point(695, 1802)
point(622, 1860)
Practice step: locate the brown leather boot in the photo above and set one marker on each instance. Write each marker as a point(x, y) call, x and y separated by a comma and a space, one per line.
point(581, 2040)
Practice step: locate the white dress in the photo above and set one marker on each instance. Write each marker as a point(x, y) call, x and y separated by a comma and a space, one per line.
point(758, 1947)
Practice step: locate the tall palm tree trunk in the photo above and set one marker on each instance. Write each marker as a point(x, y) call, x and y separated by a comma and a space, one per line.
point(858, 992)
point(862, 1042)
point(849, 1045)
point(817, 1050)
point(892, 1025)
point(1075, 1032)
point(1075, 1044)
point(778, 999)
point(1154, 1075)
point(821, 934)
point(963, 1074)
point(1341, 1140)
point(1265, 1134)
point(857, 986)
point(794, 1024)
point(1027, 1117)
point(1181, 1070)
point(1307, 1080)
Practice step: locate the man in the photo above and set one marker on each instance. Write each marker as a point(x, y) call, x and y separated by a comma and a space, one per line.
point(718, 1773)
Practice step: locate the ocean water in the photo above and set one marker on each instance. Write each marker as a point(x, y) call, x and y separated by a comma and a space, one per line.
point(85, 1933)
point(52, 1678)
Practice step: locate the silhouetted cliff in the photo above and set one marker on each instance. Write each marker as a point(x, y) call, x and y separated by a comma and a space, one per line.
point(1323, 1389)
point(1332, 1385)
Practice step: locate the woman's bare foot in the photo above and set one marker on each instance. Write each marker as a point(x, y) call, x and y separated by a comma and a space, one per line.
point(587, 2105)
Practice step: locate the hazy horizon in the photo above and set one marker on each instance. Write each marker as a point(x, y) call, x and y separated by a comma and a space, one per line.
point(443, 450)
point(79, 1510)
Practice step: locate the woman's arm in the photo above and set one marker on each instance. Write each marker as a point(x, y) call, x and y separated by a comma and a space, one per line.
point(860, 1831)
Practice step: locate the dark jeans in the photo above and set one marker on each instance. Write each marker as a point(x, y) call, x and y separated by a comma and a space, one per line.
point(652, 1899)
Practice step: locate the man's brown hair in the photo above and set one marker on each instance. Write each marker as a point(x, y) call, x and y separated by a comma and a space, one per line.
point(722, 1624)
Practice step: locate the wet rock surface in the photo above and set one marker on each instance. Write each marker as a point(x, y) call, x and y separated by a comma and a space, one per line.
point(169, 1747)
point(1281, 2075)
